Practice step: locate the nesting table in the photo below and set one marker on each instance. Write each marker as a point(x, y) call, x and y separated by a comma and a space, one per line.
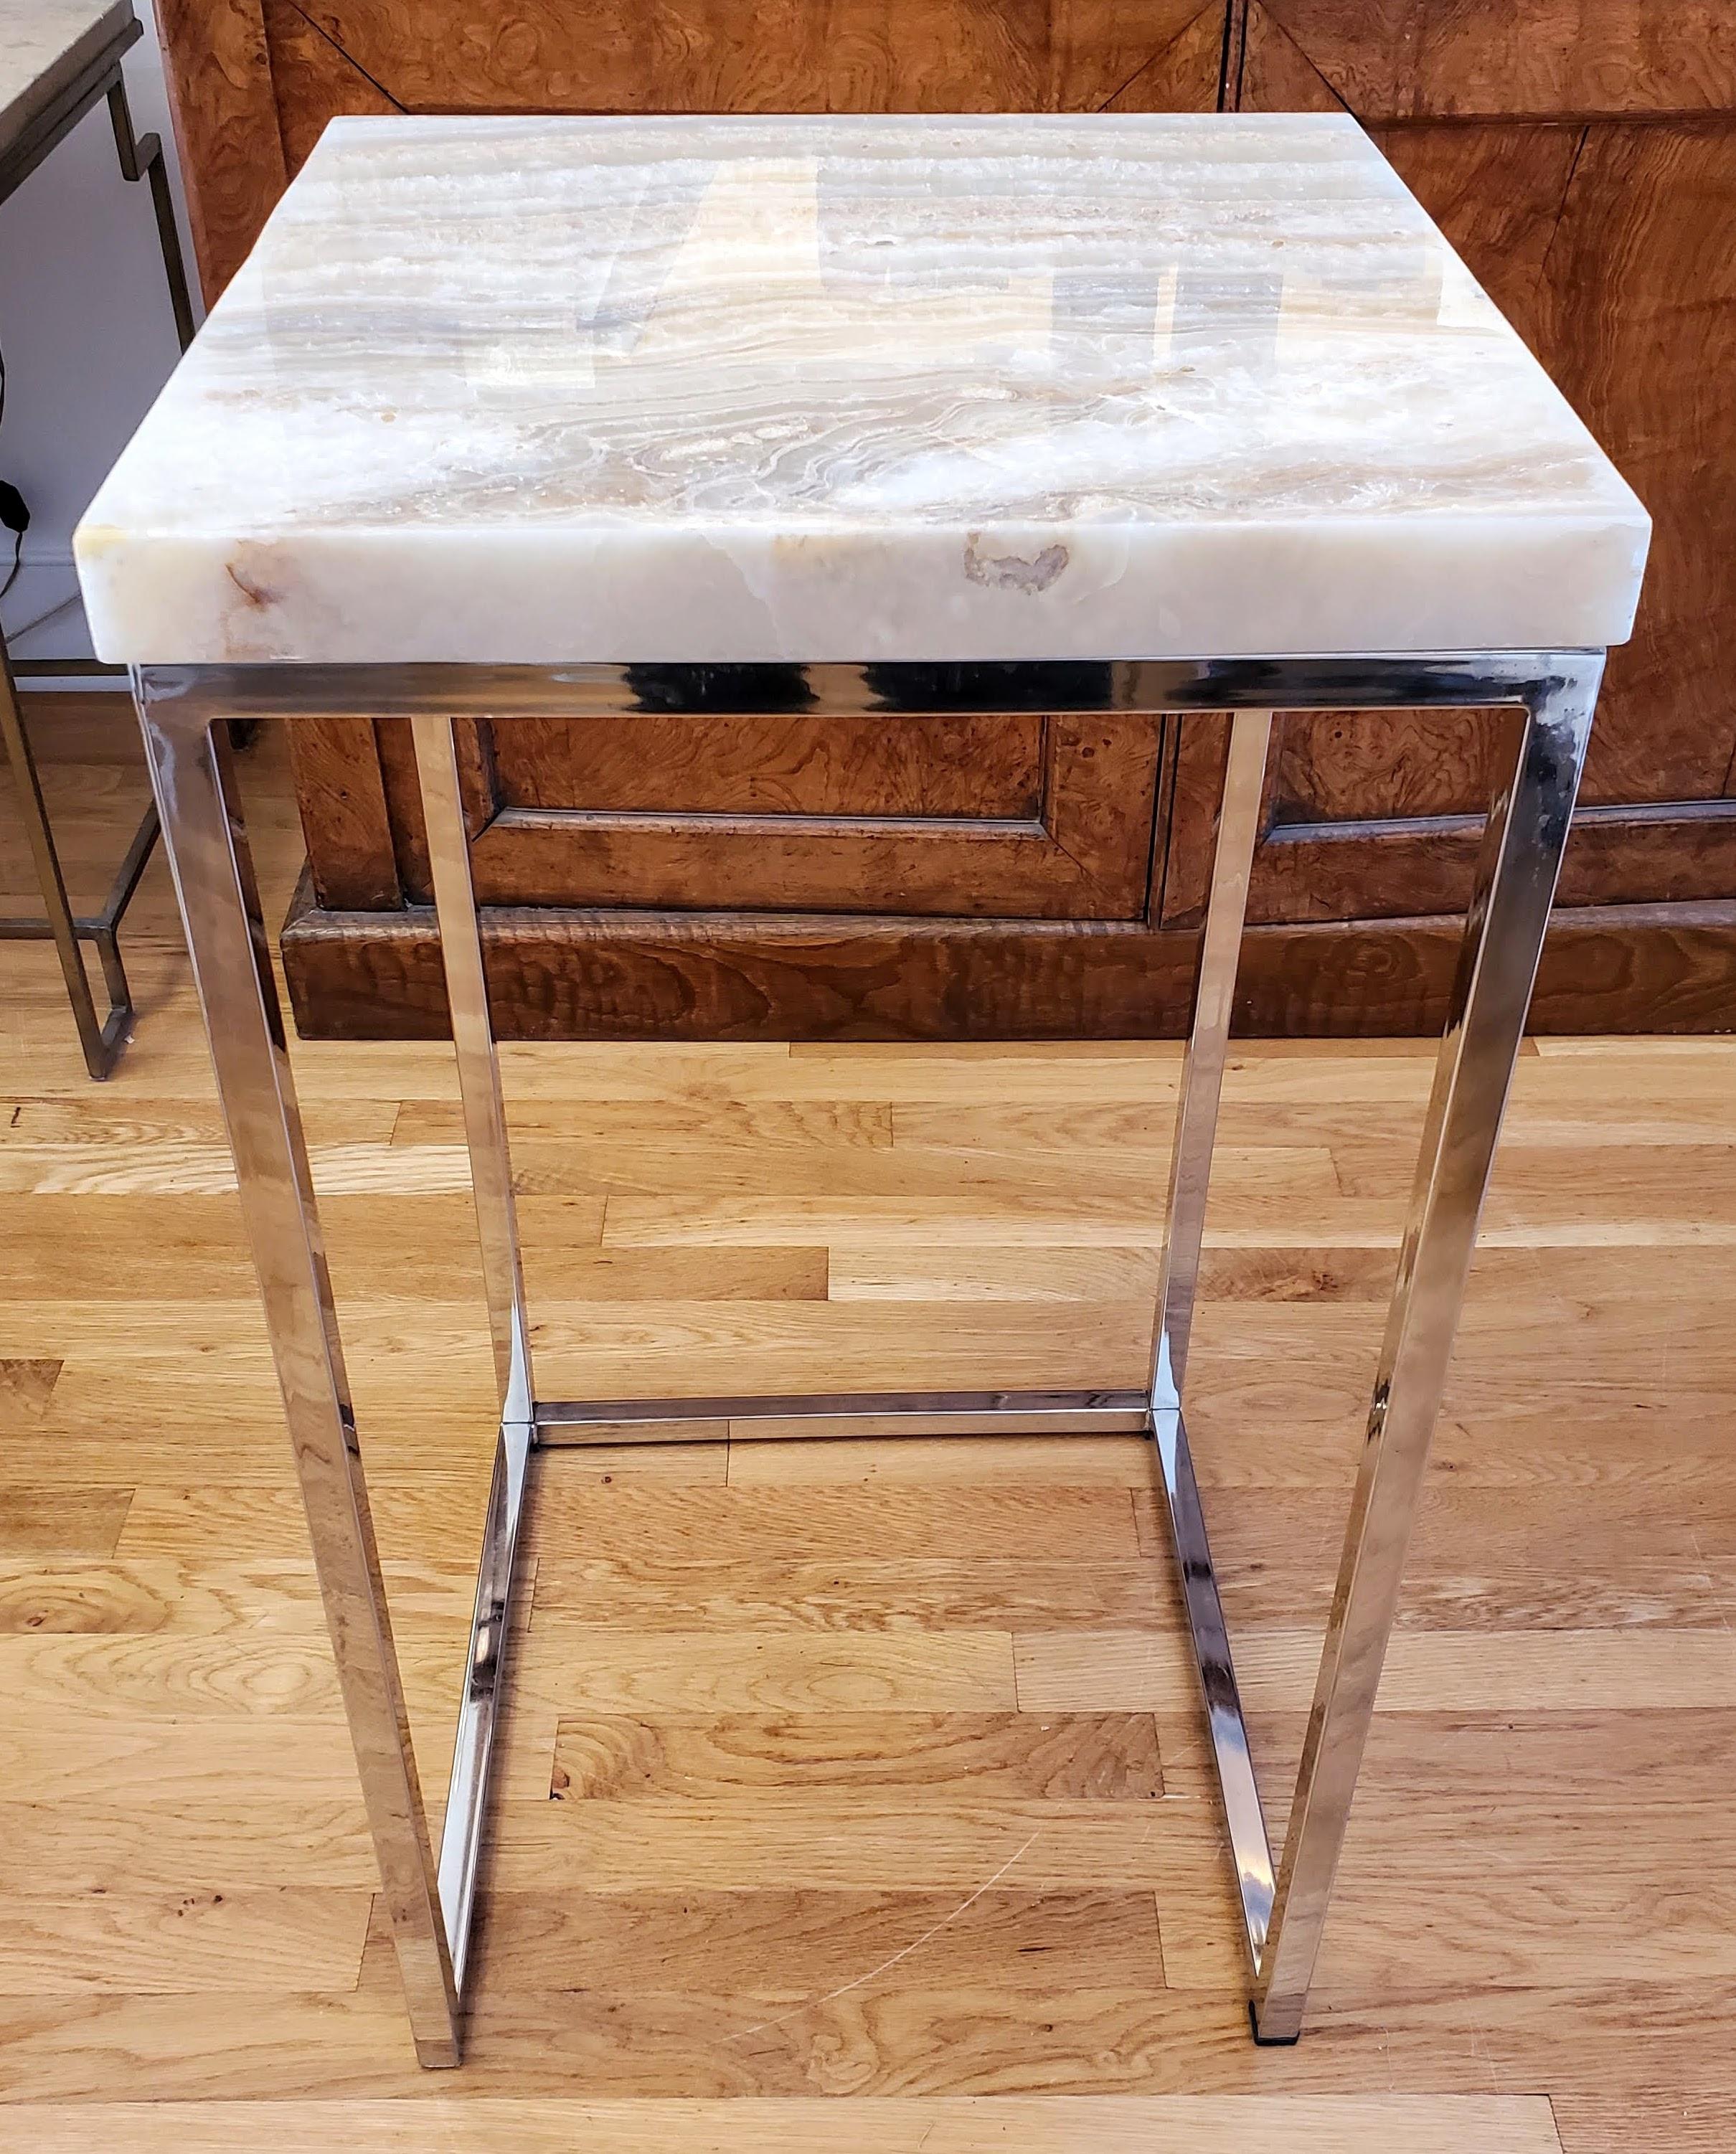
point(58, 59)
point(1165, 413)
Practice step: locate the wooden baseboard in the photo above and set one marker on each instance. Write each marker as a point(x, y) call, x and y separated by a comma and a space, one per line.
point(594, 975)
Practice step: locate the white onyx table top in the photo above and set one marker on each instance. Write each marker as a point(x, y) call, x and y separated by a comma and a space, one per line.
point(1007, 386)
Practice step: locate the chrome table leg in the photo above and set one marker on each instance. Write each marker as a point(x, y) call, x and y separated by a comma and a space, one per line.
point(490, 1174)
point(1516, 877)
point(1239, 821)
point(231, 952)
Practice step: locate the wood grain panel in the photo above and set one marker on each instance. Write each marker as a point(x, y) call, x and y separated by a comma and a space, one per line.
point(1269, 71)
point(1184, 75)
point(172, 1826)
point(782, 763)
point(1063, 824)
point(1355, 864)
point(217, 61)
point(254, 81)
point(1498, 192)
point(1639, 306)
point(708, 56)
point(1066, 1462)
point(569, 975)
point(1590, 57)
point(1611, 283)
point(1491, 1931)
point(339, 781)
point(313, 80)
point(1324, 769)
point(1409, 60)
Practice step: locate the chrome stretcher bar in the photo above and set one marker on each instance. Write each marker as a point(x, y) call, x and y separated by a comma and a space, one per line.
point(1549, 698)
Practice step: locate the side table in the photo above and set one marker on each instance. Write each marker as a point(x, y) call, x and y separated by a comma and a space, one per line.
point(58, 59)
point(545, 417)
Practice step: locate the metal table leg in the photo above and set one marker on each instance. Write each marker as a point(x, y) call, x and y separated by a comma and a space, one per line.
point(231, 952)
point(1238, 818)
point(1516, 871)
point(1554, 694)
point(1516, 877)
point(490, 1174)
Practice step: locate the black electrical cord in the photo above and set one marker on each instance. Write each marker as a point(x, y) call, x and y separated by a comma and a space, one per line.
point(14, 514)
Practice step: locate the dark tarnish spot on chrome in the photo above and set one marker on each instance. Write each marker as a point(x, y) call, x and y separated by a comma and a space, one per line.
point(1007, 572)
point(256, 594)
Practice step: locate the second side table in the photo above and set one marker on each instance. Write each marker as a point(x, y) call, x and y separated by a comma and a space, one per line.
point(58, 59)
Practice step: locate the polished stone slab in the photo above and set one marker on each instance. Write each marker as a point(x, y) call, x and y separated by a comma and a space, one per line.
point(45, 45)
point(1004, 386)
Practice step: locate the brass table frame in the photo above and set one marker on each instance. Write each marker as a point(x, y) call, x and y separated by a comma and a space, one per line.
point(103, 1039)
point(1549, 698)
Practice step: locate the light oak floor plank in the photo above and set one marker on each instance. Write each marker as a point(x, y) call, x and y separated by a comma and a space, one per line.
point(1175, 2124)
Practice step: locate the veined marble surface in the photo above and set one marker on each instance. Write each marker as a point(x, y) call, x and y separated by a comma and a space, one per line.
point(44, 46)
point(551, 390)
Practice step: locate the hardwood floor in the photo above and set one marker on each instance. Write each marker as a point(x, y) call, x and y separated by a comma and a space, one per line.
point(854, 1793)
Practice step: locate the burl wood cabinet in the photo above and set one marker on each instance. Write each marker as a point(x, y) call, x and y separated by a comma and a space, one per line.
point(789, 875)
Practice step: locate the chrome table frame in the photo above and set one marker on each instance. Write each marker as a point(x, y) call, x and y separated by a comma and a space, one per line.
point(1548, 697)
point(103, 1039)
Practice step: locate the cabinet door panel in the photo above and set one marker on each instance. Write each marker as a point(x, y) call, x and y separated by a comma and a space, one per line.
point(780, 764)
point(1326, 769)
point(1639, 324)
point(1605, 240)
point(1476, 59)
point(1311, 868)
point(1018, 817)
